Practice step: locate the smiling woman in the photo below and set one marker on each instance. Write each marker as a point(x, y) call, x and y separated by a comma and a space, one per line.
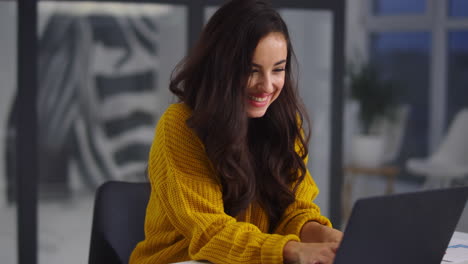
point(228, 162)
point(267, 77)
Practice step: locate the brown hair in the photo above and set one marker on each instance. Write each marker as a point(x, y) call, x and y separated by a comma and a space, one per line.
point(255, 158)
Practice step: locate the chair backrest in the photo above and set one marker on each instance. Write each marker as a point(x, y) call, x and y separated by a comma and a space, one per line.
point(454, 146)
point(118, 221)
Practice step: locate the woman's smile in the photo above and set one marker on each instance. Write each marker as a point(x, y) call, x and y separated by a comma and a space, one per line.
point(267, 76)
point(259, 100)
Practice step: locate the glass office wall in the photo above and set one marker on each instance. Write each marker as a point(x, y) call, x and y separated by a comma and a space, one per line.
point(311, 36)
point(457, 8)
point(399, 7)
point(457, 77)
point(422, 44)
point(103, 83)
point(8, 69)
point(405, 58)
point(457, 92)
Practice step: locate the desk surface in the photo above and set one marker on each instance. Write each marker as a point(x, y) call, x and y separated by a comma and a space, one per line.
point(460, 235)
point(456, 256)
point(457, 235)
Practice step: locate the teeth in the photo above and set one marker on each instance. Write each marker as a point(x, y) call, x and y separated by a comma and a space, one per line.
point(258, 99)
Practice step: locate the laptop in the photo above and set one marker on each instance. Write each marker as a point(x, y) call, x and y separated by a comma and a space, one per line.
point(404, 228)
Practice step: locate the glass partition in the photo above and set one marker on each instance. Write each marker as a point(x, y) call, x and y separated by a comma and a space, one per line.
point(458, 8)
point(311, 36)
point(457, 78)
point(103, 83)
point(399, 7)
point(8, 73)
point(404, 57)
point(457, 92)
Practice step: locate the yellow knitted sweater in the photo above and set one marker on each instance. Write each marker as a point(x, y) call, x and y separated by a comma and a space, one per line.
point(185, 217)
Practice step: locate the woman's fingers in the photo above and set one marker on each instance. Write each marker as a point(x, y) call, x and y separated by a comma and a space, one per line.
point(309, 253)
point(315, 253)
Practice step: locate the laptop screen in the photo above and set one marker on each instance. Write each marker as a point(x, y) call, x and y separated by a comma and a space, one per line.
point(403, 228)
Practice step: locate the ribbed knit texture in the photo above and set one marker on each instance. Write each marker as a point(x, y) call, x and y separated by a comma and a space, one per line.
point(185, 217)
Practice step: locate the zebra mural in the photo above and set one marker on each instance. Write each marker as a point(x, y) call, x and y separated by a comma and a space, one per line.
point(96, 100)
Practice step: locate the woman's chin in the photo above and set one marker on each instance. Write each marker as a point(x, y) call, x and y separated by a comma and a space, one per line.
point(256, 113)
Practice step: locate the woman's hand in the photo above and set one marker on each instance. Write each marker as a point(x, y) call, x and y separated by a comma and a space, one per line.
point(313, 232)
point(332, 235)
point(309, 253)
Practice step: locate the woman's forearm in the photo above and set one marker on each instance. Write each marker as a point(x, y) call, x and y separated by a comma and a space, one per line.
point(313, 232)
point(299, 253)
point(290, 252)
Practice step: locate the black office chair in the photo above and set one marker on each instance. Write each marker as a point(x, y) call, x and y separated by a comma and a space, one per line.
point(118, 221)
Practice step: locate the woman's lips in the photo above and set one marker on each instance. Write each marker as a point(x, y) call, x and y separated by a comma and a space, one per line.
point(258, 100)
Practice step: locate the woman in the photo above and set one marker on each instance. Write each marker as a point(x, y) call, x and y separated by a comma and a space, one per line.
point(228, 163)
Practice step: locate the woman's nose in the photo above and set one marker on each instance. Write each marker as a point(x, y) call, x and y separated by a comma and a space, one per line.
point(267, 84)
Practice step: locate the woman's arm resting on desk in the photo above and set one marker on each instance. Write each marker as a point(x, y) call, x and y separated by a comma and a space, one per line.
point(313, 232)
point(309, 253)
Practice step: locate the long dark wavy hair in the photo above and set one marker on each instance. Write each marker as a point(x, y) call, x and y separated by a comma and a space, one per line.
point(255, 158)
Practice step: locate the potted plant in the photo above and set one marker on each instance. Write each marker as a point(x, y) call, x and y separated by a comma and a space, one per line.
point(376, 98)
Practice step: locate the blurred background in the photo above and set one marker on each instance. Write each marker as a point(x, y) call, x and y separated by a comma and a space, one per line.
point(103, 73)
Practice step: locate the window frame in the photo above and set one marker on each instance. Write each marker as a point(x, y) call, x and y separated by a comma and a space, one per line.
point(438, 23)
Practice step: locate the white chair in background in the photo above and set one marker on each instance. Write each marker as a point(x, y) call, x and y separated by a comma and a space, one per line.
point(450, 160)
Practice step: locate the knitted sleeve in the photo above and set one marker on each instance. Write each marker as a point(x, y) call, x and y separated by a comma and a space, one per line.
point(180, 174)
point(302, 210)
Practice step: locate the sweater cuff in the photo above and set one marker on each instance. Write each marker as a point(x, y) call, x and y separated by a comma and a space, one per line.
point(272, 248)
point(296, 224)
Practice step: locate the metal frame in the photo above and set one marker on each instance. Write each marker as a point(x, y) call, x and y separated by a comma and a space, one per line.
point(26, 143)
point(27, 161)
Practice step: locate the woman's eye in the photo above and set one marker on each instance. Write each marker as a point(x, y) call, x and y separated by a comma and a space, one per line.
point(254, 71)
point(279, 70)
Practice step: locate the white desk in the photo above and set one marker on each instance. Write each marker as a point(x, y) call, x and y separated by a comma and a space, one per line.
point(456, 235)
point(463, 238)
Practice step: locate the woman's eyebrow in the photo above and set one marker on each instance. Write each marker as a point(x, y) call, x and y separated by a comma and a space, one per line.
point(277, 63)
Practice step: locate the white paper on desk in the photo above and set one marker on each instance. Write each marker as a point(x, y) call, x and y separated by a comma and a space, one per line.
point(457, 251)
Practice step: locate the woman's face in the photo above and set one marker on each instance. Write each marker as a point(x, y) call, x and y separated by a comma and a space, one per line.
point(267, 76)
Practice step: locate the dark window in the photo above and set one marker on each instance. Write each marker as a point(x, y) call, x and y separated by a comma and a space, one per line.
point(399, 7)
point(405, 58)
